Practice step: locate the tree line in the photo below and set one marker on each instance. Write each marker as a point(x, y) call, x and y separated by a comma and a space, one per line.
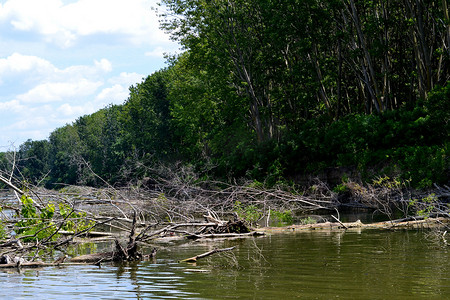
point(271, 90)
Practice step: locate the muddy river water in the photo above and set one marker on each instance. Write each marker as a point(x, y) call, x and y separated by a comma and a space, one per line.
point(368, 264)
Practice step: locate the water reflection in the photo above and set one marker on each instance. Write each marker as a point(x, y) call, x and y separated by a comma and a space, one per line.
point(86, 282)
point(311, 265)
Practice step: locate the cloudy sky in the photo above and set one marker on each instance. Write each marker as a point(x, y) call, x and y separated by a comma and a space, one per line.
point(61, 59)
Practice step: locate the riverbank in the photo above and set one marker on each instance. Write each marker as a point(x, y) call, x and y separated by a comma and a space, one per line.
point(51, 220)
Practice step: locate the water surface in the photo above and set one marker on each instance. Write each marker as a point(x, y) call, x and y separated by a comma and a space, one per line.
point(309, 265)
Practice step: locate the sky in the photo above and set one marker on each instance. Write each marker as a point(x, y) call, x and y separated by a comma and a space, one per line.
point(62, 59)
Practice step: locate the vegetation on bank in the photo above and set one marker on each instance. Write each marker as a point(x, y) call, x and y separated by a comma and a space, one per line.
point(273, 92)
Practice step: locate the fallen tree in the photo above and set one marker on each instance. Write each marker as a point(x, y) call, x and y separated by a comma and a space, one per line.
point(418, 222)
point(203, 255)
point(58, 218)
point(130, 252)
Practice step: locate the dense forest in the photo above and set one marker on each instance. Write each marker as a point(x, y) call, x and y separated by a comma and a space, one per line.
point(273, 91)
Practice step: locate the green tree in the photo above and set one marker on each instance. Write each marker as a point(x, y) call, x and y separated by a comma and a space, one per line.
point(65, 152)
point(207, 116)
point(34, 161)
point(146, 117)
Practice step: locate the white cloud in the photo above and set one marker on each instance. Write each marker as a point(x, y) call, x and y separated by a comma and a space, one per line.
point(52, 97)
point(33, 123)
point(38, 70)
point(22, 69)
point(115, 94)
point(43, 87)
point(58, 91)
point(119, 91)
point(50, 83)
point(12, 106)
point(73, 111)
point(126, 78)
point(104, 65)
point(30, 123)
point(157, 52)
point(63, 24)
point(19, 63)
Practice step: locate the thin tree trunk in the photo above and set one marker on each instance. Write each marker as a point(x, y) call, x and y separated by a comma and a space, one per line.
point(371, 81)
point(322, 92)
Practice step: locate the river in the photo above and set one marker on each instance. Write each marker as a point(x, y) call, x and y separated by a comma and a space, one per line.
point(368, 264)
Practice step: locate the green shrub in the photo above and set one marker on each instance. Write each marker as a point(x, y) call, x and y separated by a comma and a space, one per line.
point(283, 217)
point(340, 188)
point(33, 224)
point(423, 165)
point(39, 225)
point(249, 213)
point(308, 220)
point(3, 233)
point(425, 206)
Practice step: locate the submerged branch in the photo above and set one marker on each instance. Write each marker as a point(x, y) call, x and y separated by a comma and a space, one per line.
point(203, 255)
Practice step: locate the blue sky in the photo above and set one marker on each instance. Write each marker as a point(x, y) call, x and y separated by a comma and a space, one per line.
point(61, 59)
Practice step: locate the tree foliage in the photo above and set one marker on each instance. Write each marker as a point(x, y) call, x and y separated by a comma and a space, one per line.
point(273, 89)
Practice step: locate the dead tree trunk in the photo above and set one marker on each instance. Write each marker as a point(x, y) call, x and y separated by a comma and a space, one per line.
point(203, 255)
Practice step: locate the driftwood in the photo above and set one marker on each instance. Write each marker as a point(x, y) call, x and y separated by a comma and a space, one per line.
point(11, 185)
point(203, 255)
point(169, 228)
point(80, 233)
point(97, 258)
point(339, 221)
point(212, 228)
point(120, 253)
point(130, 251)
point(7, 261)
point(420, 223)
point(93, 258)
point(33, 264)
point(13, 242)
point(39, 264)
point(90, 234)
point(224, 235)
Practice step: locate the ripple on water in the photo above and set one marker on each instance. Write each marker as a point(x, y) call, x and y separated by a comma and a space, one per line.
point(367, 265)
